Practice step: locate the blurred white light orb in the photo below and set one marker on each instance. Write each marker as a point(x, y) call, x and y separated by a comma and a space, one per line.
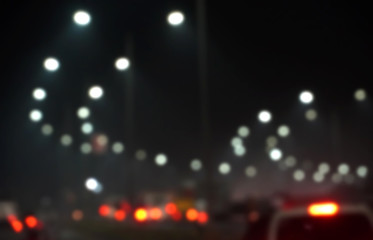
point(283, 131)
point(239, 150)
point(140, 155)
point(96, 92)
point(343, 169)
point(47, 129)
point(275, 154)
point(175, 18)
point(66, 140)
point(271, 141)
point(122, 64)
point(36, 115)
point(82, 18)
point(318, 177)
point(224, 168)
point(39, 94)
point(324, 168)
point(118, 147)
point(51, 64)
point(299, 175)
point(362, 171)
point(83, 113)
point(243, 131)
point(91, 184)
point(236, 141)
point(196, 165)
point(161, 159)
point(306, 97)
point(311, 114)
point(264, 116)
point(250, 171)
point(87, 128)
point(290, 161)
point(86, 148)
point(360, 95)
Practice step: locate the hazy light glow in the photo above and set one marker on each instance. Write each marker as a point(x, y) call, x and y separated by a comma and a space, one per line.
point(318, 177)
point(243, 131)
point(196, 165)
point(102, 140)
point(283, 131)
point(86, 148)
point(311, 114)
point(122, 64)
point(36, 115)
point(343, 169)
point(290, 161)
point(349, 179)
point(236, 141)
point(250, 171)
point(51, 64)
point(264, 116)
point(82, 18)
point(96, 92)
point(336, 178)
point(306, 97)
point(161, 159)
point(83, 113)
point(140, 155)
point(299, 175)
point(66, 140)
point(91, 184)
point(118, 147)
point(47, 129)
point(239, 150)
point(224, 168)
point(39, 94)
point(87, 128)
point(275, 154)
point(271, 141)
point(360, 95)
point(362, 171)
point(324, 168)
point(175, 18)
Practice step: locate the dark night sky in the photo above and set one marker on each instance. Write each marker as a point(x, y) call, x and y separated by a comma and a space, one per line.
point(259, 57)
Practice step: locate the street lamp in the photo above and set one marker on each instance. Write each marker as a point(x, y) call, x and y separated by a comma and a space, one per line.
point(36, 115)
point(95, 92)
point(39, 94)
point(175, 18)
point(122, 64)
point(264, 116)
point(306, 97)
point(51, 64)
point(82, 18)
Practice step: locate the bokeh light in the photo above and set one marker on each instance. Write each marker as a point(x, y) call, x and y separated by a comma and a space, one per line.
point(86, 148)
point(337, 178)
point(91, 184)
point(362, 171)
point(196, 165)
point(36, 115)
point(243, 131)
point(77, 215)
point(343, 169)
point(96, 92)
point(318, 177)
point(236, 141)
point(83, 113)
point(82, 18)
point(141, 215)
point(311, 115)
point(283, 131)
point(140, 155)
point(191, 215)
point(264, 116)
point(122, 64)
point(299, 175)
point(250, 171)
point(324, 168)
point(119, 215)
point(224, 168)
point(161, 159)
point(306, 97)
point(360, 95)
point(87, 128)
point(275, 154)
point(290, 161)
point(47, 129)
point(39, 94)
point(66, 140)
point(118, 147)
point(175, 18)
point(239, 150)
point(51, 64)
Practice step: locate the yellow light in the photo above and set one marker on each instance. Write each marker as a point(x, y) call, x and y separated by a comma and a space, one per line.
point(323, 209)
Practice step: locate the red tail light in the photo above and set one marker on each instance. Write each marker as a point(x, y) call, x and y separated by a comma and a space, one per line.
point(17, 226)
point(191, 215)
point(323, 209)
point(104, 210)
point(203, 218)
point(155, 214)
point(31, 221)
point(120, 215)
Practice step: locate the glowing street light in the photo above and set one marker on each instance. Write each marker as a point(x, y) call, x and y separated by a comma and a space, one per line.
point(299, 175)
point(122, 64)
point(47, 129)
point(39, 94)
point(36, 115)
point(86, 148)
point(264, 116)
point(51, 64)
point(175, 18)
point(196, 165)
point(343, 169)
point(87, 128)
point(243, 131)
point(283, 131)
point(362, 171)
point(239, 150)
point(161, 159)
point(83, 112)
point(224, 168)
point(66, 140)
point(360, 95)
point(118, 147)
point(93, 185)
point(306, 97)
point(82, 18)
point(96, 92)
point(275, 154)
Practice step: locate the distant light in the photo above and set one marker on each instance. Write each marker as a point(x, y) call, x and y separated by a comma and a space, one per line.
point(324, 168)
point(87, 128)
point(191, 215)
point(224, 168)
point(91, 184)
point(118, 147)
point(290, 161)
point(141, 215)
point(122, 64)
point(264, 116)
point(47, 129)
point(77, 215)
point(16, 225)
point(155, 214)
point(343, 169)
point(96, 92)
point(243, 131)
point(140, 155)
point(36, 115)
point(51, 64)
point(362, 171)
point(175, 18)
point(83, 112)
point(299, 175)
point(306, 97)
point(31, 221)
point(318, 177)
point(86, 148)
point(196, 165)
point(250, 171)
point(349, 179)
point(275, 154)
point(161, 159)
point(336, 178)
point(82, 18)
point(323, 209)
point(239, 151)
point(311, 114)
point(102, 140)
point(171, 208)
point(203, 218)
point(283, 131)
point(119, 215)
point(104, 210)
point(271, 141)
point(39, 94)
point(236, 141)
point(360, 95)
point(66, 140)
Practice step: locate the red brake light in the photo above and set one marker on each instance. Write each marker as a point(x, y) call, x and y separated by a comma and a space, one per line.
point(323, 209)
point(31, 221)
point(120, 215)
point(17, 226)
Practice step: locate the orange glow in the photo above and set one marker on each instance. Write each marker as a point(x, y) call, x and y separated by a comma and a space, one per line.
point(254, 216)
point(11, 218)
point(141, 215)
point(323, 209)
point(155, 214)
point(203, 218)
point(31, 221)
point(119, 215)
point(17, 226)
point(104, 210)
point(77, 215)
point(171, 208)
point(191, 215)
point(177, 216)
